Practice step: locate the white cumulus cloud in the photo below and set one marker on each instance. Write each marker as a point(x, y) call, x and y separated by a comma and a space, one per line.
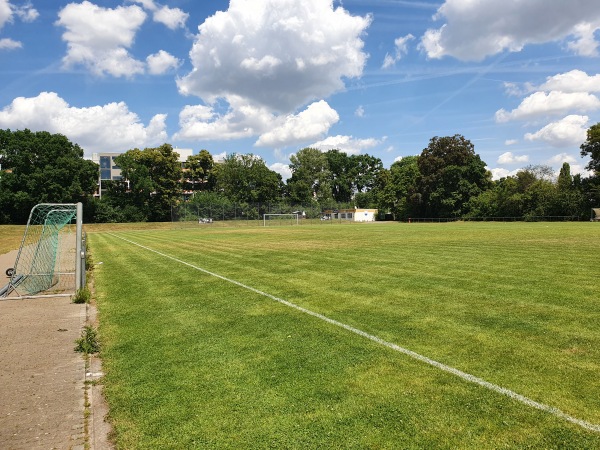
point(573, 81)
point(280, 54)
point(499, 172)
point(8, 11)
point(9, 44)
point(567, 132)
point(200, 122)
point(510, 158)
point(99, 38)
point(27, 13)
point(540, 104)
point(473, 30)
point(346, 144)
point(161, 62)
point(282, 169)
point(172, 18)
point(97, 128)
point(312, 123)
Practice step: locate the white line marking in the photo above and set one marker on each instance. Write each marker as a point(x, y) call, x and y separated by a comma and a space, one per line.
point(463, 375)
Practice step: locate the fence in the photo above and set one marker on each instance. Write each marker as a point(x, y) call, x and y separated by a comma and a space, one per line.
point(494, 219)
point(242, 213)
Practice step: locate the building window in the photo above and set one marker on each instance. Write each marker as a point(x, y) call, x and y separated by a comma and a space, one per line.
point(342, 215)
point(105, 162)
point(349, 216)
point(105, 174)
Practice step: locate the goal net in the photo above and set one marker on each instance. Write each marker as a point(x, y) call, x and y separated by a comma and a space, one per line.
point(48, 257)
point(280, 219)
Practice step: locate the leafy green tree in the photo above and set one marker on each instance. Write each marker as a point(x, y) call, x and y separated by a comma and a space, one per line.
point(397, 188)
point(106, 210)
point(353, 177)
point(451, 173)
point(151, 181)
point(246, 178)
point(591, 186)
point(198, 169)
point(340, 170)
point(570, 199)
point(311, 177)
point(39, 167)
point(591, 148)
point(503, 199)
point(591, 192)
point(364, 172)
point(532, 192)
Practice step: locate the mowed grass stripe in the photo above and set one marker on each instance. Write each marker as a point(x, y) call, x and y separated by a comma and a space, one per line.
point(528, 326)
point(439, 412)
point(465, 376)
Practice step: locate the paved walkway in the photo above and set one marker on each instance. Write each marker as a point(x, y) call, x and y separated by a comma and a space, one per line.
point(42, 378)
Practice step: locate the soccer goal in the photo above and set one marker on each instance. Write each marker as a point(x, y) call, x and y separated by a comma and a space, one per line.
point(51, 258)
point(280, 219)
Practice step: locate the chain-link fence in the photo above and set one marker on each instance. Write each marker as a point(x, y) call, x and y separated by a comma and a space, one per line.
point(240, 214)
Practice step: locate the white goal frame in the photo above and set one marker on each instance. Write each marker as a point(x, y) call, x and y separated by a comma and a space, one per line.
point(288, 215)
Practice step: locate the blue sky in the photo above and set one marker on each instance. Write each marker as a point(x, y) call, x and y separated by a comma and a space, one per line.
point(520, 79)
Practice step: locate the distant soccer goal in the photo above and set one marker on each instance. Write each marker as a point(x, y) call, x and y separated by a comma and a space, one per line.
point(50, 257)
point(280, 219)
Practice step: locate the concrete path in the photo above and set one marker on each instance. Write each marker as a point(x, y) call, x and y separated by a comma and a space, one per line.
point(42, 378)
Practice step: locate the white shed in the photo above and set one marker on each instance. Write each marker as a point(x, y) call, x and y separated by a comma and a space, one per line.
point(354, 214)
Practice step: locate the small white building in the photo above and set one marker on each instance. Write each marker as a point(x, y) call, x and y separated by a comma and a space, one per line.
point(184, 154)
point(353, 214)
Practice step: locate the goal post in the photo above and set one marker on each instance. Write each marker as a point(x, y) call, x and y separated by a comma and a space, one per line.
point(51, 256)
point(281, 219)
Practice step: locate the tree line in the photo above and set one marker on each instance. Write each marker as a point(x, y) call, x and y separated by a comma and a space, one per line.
point(446, 180)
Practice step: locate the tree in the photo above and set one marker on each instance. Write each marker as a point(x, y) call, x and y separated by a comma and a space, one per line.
point(151, 181)
point(340, 170)
point(39, 167)
point(311, 177)
point(364, 171)
point(352, 177)
point(198, 170)
point(450, 174)
point(532, 192)
point(503, 199)
point(570, 199)
point(246, 178)
point(591, 148)
point(397, 191)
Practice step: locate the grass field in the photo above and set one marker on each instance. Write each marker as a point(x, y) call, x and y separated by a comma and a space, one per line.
point(196, 361)
point(10, 237)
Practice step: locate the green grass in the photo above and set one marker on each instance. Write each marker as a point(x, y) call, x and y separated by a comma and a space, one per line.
point(192, 361)
point(10, 237)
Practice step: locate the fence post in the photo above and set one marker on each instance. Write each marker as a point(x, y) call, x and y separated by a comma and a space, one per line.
point(79, 256)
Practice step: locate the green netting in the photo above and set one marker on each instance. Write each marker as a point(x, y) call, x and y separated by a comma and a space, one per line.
point(47, 251)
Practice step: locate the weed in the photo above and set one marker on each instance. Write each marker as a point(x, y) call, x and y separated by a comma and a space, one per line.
point(83, 295)
point(88, 342)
